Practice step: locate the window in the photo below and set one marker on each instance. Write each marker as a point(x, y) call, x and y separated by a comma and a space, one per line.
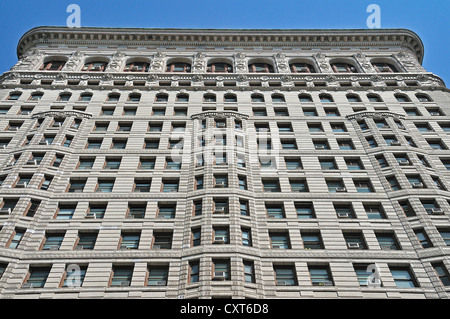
point(355, 241)
point(194, 271)
point(258, 98)
point(285, 275)
point(445, 234)
point(326, 98)
point(169, 186)
point(196, 237)
point(151, 144)
point(14, 96)
point(86, 240)
point(315, 127)
point(31, 208)
point(288, 144)
point(415, 181)
point(407, 209)
point(305, 98)
point(260, 68)
point(327, 164)
point(161, 97)
point(320, 275)
point(423, 238)
point(244, 207)
point(382, 67)
point(96, 211)
point(353, 98)
point(299, 185)
point(8, 206)
point(65, 212)
point(137, 67)
point(198, 207)
point(343, 68)
point(402, 98)
point(94, 143)
point(15, 238)
point(162, 240)
point(52, 241)
point(423, 97)
point(302, 68)
point(36, 277)
point(374, 98)
point(220, 206)
point(403, 277)
point(279, 240)
point(344, 210)
point(354, 164)
point(57, 160)
point(335, 186)
point(271, 185)
point(146, 163)
point(221, 235)
point(158, 275)
point(442, 273)
point(36, 96)
point(172, 165)
point(321, 145)
point(229, 97)
point(104, 186)
point(95, 66)
point(64, 97)
point(374, 211)
point(112, 97)
point(305, 210)
point(246, 237)
point(293, 163)
point(166, 210)
point(142, 185)
point(112, 163)
point(52, 66)
point(121, 276)
point(437, 144)
point(129, 240)
point(221, 269)
point(371, 141)
point(363, 186)
point(178, 67)
point(119, 144)
point(85, 97)
point(136, 210)
point(275, 211)
point(76, 185)
point(278, 98)
point(363, 274)
point(311, 240)
point(249, 271)
point(219, 68)
point(338, 127)
point(124, 127)
point(74, 276)
point(393, 183)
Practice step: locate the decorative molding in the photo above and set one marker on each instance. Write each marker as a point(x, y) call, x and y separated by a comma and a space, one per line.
point(369, 114)
point(55, 113)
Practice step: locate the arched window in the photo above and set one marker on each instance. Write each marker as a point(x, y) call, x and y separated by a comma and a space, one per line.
point(305, 98)
point(326, 98)
point(260, 68)
point(64, 97)
point(277, 98)
point(302, 68)
point(178, 67)
point(423, 97)
point(402, 97)
point(374, 98)
point(137, 67)
point(230, 97)
point(86, 97)
point(219, 67)
point(256, 97)
point(36, 96)
point(353, 98)
point(134, 97)
point(343, 68)
point(182, 97)
point(113, 97)
point(52, 66)
point(209, 97)
point(161, 97)
point(94, 66)
point(14, 96)
point(382, 67)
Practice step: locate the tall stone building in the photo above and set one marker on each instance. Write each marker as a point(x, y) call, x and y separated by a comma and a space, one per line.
point(175, 163)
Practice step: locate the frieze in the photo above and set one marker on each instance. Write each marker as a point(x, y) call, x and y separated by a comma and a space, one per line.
point(368, 114)
point(216, 114)
point(54, 113)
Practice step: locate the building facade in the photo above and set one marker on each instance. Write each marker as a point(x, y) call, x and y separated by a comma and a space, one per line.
point(172, 163)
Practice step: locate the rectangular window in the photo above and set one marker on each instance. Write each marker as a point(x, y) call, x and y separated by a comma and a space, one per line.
point(16, 238)
point(285, 275)
point(65, 212)
point(403, 277)
point(53, 241)
point(121, 276)
point(166, 210)
point(86, 240)
point(320, 276)
point(221, 269)
point(275, 211)
point(312, 240)
point(442, 273)
point(194, 271)
point(305, 210)
point(129, 241)
point(157, 275)
point(36, 278)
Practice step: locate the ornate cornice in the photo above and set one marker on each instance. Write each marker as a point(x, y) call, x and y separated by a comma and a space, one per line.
point(64, 114)
point(221, 37)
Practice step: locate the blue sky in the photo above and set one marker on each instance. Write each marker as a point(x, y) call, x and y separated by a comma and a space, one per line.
point(429, 19)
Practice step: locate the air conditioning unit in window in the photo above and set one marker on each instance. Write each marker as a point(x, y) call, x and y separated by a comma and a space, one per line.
point(219, 240)
point(219, 210)
point(320, 147)
point(281, 283)
point(353, 245)
point(221, 124)
point(417, 185)
point(5, 211)
point(31, 162)
point(27, 285)
point(403, 162)
point(54, 248)
point(437, 211)
point(220, 184)
point(219, 275)
point(277, 246)
point(341, 189)
point(124, 283)
point(21, 185)
point(91, 216)
point(395, 143)
point(344, 215)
